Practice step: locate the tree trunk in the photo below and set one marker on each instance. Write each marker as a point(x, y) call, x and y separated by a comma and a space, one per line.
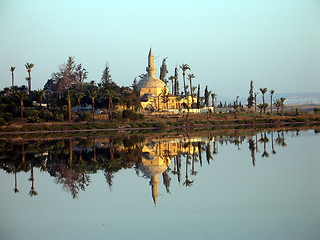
point(12, 79)
point(92, 110)
point(29, 82)
point(69, 109)
point(21, 110)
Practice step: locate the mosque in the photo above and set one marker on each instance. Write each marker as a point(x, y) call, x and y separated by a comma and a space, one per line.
point(152, 90)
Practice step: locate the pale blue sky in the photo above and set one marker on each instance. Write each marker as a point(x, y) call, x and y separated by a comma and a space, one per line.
point(276, 43)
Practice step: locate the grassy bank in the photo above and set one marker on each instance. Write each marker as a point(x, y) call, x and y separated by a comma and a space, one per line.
point(167, 122)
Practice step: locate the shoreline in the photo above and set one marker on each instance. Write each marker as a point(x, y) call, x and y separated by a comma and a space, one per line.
point(160, 126)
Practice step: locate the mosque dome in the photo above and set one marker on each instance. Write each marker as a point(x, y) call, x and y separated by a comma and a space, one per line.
point(151, 82)
point(153, 170)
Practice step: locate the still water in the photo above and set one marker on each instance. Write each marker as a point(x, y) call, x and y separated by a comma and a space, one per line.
point(257, 185)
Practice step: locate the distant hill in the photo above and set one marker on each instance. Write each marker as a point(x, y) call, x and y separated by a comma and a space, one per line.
point(291, 98)
point(300, 97)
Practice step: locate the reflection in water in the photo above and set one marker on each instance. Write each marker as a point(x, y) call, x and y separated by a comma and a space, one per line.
point(71, 161)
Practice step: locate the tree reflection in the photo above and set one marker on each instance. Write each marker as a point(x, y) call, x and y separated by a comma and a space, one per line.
point(252, 150)
point(72, 161)
point(32, 191)
point(264, 139)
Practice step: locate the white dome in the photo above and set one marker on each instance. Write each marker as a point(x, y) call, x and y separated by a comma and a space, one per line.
point(151, 82)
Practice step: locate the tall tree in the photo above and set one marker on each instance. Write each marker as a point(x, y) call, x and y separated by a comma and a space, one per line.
point(184, 68)
point(69, 73)
point(251, 97)
point(206, 96)
point(106, 78)
point(12, 75)
point(263, 91)
point(69, 105)
point(110, 94)
point(176, 84)
point(163, 70)
point(81, 73)
point(255, 101)
point(190, 77)
point(198, 97)
point(29, 66)
point(271, 95)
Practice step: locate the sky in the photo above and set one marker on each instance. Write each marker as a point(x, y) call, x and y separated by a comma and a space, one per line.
point(275, 43)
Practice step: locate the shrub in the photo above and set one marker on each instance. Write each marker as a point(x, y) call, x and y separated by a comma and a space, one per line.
point(131, 115)
point(33, 116)
point(58, 117)
point(84, 116)
point(2, 122)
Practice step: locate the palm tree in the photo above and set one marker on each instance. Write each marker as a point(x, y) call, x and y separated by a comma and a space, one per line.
point(190, 77)
point(12, 75)
point(21, 95)
point(79, 95)
point(187, 182)
point(264, 139)
point(261, 107)
point(32, 192)
point(29, 66)
point(271, 95)
point(213, 96)
point(41, 94)
point(93, 94)
point(272, 144)
point(263, 91)
point(111, 95)
point(282, 99)
point(172, 79)
point(184, 68)
point(277, 103)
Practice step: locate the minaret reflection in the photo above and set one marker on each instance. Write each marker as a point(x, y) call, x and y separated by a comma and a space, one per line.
point(154, 163)
point(157, 154)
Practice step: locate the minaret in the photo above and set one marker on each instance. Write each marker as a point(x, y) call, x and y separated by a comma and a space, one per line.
point(151, 69)
point(154, 188)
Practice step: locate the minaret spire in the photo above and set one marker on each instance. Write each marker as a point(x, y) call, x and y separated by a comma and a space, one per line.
point(154, 188)
point(151, 69)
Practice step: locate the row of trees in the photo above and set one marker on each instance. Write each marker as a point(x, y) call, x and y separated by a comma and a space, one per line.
point(252, 100)
point(65, 90)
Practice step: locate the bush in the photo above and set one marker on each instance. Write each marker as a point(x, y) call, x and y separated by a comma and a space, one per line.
point(33, 116)
point(58, 117)
point(46, 115)
point(2, 122)
point(85, 116)
point(131, 115)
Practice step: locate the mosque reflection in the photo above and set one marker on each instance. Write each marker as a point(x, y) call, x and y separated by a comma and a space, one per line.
point(72, 161)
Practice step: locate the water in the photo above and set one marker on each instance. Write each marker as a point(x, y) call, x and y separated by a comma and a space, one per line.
point(107, 188)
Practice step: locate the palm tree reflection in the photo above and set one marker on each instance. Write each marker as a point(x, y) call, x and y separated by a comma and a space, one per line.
point(72, 161)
